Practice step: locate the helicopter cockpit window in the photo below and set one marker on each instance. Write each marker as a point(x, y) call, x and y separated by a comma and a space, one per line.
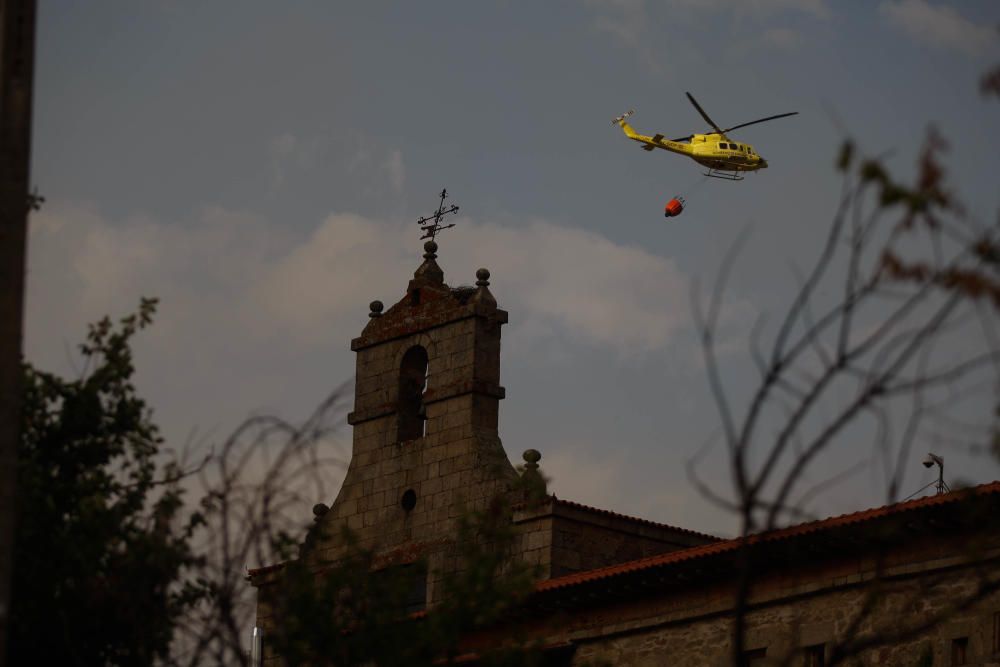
point(724, 146)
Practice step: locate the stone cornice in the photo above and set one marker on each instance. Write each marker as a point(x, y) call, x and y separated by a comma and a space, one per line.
point(408, 328)
point(481, 387)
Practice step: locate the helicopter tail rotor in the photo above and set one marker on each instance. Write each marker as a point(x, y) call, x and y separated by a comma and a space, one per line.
point(621, 119)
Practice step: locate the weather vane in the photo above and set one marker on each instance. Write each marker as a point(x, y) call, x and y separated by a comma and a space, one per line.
point(431, 225)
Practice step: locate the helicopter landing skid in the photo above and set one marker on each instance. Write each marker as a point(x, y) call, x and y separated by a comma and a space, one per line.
point(724, 175)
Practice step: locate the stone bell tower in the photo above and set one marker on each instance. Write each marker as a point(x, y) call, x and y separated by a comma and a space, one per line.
point(427, 393)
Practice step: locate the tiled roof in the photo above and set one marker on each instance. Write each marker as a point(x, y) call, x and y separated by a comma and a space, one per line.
point(674, 558)
point(625, 517)
point(258, 571)
point(407, 553)
point(720, 546)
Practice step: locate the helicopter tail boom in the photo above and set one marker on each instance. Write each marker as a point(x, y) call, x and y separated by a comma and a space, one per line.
point(650, 143)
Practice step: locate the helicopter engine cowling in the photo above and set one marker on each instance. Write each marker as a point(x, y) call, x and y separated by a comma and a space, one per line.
point(673, 208)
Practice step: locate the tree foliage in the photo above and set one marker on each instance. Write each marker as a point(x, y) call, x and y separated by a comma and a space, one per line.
point(101, 552)
point(905, 350)
point(357, 610)
point(114, 567)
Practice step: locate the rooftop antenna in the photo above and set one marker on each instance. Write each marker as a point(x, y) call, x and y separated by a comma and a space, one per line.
point(431, 224)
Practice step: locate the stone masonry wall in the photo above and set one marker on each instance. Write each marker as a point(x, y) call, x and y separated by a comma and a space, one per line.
point(584, 540)
point(565, 537)
point(459, 463)
point(809, 606)
point(782, 628)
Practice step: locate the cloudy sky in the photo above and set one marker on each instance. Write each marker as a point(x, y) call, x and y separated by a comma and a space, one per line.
point(259, 167)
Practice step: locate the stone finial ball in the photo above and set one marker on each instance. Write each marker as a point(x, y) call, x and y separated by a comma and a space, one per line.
point(376, 306)
point(319, 509)
point(532, 455)
point(431, 246)
point(483, 276)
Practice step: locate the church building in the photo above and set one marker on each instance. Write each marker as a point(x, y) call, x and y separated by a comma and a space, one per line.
point(614, 589)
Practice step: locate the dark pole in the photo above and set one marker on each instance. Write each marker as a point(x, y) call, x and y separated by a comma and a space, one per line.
point(17, 61)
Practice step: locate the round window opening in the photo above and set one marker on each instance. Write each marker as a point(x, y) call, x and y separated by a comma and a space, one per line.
point(409, 500)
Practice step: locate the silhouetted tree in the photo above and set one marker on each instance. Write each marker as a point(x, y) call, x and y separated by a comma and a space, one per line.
point(113, 567)
point(893, 353)
point(102, 550)
point(351, 611)
point(354, 611)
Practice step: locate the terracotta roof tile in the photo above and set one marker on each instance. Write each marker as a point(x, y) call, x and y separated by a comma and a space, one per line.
point(647, 522)
point(674, 557)
point(258, 571)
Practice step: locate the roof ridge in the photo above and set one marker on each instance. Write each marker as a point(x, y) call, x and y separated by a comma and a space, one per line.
point(619, 515)
point(769, 536)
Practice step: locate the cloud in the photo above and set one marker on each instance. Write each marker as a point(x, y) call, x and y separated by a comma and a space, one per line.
point(290, 153)
point(781, 38)
point(292, 156)
point(586, 286)
point(938, 26)
point(628, 22)
point(255, 316)
point(283, 144)
point(573, 475)
point(625, 19)
point(760, 8)
point(395, 170)
point(557, 280)
point(329, 276)
point(817, 8)
point(228, 276)
point(633, 12)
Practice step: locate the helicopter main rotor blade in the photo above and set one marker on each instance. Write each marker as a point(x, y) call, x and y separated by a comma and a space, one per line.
point(703, 114)
point(760, 120)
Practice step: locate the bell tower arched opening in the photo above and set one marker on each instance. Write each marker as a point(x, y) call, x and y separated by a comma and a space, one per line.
point(412, 384)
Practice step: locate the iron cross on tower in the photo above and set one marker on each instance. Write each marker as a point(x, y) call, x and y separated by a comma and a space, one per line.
point(431, 224)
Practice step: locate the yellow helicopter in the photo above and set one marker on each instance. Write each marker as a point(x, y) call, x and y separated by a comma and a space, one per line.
point(724, 157)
